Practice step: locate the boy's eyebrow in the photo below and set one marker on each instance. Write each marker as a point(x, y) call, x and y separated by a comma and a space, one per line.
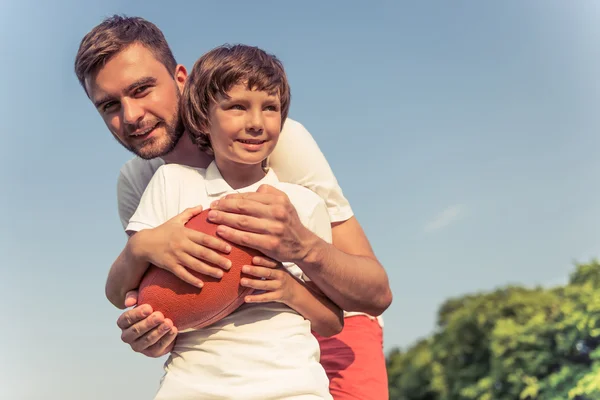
point(147, 80)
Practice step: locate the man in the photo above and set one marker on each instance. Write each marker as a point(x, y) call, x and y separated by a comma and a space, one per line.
point(130, 74)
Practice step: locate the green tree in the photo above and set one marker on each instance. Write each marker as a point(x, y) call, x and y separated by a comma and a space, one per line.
point(510, 343)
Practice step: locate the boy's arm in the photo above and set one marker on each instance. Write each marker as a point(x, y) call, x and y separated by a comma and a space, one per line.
point(326, 318)
point(168, 245)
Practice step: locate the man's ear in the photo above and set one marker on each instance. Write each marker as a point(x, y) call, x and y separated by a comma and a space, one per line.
point(180, 76)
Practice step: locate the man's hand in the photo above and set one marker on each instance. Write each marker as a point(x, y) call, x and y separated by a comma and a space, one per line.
point(147, 332)
point(173, 247)
point(266, 221)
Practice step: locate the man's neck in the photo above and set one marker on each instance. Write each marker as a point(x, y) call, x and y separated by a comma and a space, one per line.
point(187, 153)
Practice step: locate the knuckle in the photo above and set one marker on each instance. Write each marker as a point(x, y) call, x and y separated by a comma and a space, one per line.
point(281, 199)
point(279, 212)
point(273, 243)
point(245, 239)
point(244, 222)
point(136, 330)
point(278, 229)
point(242, 206)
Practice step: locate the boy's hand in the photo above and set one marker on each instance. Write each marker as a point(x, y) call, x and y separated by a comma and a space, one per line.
point(147, 332)
point(173, 247)
point(278, 283)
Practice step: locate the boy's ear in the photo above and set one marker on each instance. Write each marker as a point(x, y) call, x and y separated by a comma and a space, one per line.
point(180, 76)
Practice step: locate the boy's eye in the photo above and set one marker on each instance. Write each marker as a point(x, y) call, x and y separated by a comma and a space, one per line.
point(237, 107)
point(271, 108)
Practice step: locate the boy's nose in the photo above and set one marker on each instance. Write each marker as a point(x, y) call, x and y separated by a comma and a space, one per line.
point(254, 121)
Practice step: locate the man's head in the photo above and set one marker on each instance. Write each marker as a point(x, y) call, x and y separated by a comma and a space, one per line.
point(128, 71)
point(235, 102)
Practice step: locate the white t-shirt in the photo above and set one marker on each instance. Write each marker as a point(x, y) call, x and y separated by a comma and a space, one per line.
point(261, 351)
point(296, 159)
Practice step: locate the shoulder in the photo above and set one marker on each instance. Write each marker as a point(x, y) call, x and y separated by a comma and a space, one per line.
point(138, 167)
point(172, 173)
point(303, 199)
point(291, 125)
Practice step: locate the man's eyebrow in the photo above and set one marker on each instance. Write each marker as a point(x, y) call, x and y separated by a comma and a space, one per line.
point(147, 80)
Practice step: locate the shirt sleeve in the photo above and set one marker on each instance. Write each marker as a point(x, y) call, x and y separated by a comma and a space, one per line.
point(317, 222)
point(298, 159)
point(127, 198)
point(153, 208)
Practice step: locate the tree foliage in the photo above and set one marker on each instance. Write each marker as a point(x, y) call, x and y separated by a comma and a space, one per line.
point(511, 343)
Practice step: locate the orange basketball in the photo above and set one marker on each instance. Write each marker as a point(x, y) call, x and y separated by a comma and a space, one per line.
point(191, 307)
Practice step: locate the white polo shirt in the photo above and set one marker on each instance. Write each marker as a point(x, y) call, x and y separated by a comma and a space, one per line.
point(261, 351)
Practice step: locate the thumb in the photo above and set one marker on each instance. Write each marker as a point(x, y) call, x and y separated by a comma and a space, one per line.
point(131, 298)
point(188, 214)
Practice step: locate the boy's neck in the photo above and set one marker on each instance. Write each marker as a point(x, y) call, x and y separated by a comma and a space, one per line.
point(238, 175)
point(187, 153)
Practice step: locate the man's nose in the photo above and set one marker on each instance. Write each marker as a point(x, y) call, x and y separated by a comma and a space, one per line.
point(132, 112)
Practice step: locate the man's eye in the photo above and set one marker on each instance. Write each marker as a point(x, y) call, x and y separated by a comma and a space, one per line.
point(141, 89)
point(109, 106)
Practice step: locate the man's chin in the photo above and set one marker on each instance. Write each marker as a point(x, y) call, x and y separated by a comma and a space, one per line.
point(149, 151)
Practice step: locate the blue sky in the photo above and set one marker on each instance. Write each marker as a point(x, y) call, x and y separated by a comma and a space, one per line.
point(463, 133)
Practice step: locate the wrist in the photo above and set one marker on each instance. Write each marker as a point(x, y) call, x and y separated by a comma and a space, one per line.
point(137, 247)
point(316, 253)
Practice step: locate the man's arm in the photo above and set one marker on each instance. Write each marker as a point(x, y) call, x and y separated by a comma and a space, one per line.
point(347, 271)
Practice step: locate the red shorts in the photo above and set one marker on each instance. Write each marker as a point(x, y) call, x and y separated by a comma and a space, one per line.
point(354, 360)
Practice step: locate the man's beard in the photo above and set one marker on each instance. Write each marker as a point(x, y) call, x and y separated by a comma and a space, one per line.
point(159, 146)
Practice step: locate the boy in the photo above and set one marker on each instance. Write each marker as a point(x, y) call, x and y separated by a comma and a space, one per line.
point(234, 103)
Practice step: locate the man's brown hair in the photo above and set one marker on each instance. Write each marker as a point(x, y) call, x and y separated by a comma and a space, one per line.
point(216, 72)
point(114, 35)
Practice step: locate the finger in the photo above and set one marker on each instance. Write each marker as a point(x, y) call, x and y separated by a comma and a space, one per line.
point(187, 214)
point(201, 253)
point(263, 297)
point(152, 337)
point(208, 241)
point(262, 272)
point(244, 203)
point(200, 266)
point(185, 275)
point(163, 346)
point(131, 298)
point(133, 316)
point(139, 329)
point(263, 243)
point(264, 261)
point(241, 221)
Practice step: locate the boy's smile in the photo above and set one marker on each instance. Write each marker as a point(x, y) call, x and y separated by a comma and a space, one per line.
point(244, 129)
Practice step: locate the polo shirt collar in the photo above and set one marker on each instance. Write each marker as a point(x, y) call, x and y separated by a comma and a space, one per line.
point(216, 184)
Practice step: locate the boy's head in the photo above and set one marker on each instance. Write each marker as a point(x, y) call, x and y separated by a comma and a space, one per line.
point(128, 71)
point(235, 102)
